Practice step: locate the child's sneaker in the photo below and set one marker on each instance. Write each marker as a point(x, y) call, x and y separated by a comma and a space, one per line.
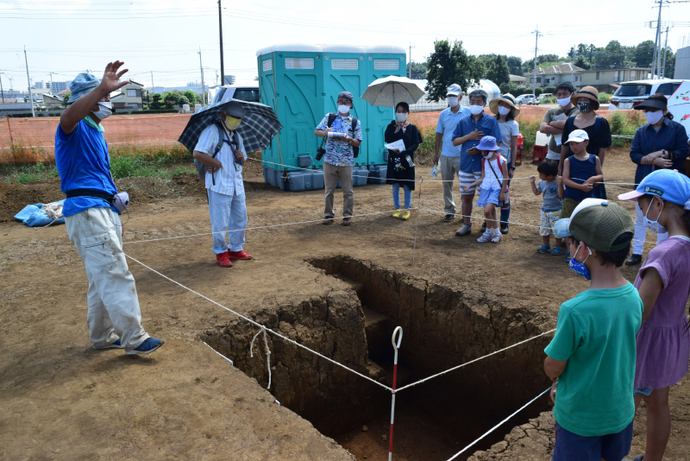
point(498, 237)
point(486, 237)
point(405, 215)
point(396, 213)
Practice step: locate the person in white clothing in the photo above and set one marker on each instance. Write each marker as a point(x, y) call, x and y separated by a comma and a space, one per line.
point(493, 183)
point(224, 185)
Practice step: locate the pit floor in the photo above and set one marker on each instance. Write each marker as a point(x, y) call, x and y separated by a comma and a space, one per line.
point(61, 400)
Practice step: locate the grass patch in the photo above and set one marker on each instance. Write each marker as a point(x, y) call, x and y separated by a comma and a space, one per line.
point(125, 161)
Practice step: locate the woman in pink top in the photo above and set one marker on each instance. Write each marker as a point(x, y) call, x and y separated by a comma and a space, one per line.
point(663, 342)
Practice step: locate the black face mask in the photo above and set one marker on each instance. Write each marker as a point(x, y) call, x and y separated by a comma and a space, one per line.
point(584, 106)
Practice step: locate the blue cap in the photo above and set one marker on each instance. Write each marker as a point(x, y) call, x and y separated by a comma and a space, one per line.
point(560, 229)
point(487, 143)
point(82, 85)
point(669, 185)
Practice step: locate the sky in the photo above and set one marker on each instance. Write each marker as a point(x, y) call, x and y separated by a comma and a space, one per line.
point(161, 39)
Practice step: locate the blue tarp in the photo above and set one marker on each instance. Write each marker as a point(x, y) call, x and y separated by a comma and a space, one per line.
point(34, 216)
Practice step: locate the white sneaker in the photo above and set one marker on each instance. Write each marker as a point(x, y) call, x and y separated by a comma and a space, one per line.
point(464, 230)
point(498, 237)
point(486, 237)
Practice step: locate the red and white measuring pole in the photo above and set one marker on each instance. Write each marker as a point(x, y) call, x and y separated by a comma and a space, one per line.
point(396, 345)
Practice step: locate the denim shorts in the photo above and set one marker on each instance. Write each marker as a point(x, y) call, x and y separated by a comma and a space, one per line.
point(611, 447)
point(643, 391)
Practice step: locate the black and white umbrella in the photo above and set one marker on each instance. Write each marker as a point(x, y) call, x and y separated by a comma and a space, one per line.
point(259, 125)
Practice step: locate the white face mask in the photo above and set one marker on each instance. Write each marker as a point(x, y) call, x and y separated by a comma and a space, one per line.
point(343, 109)
point(476, 110)
point(654, 117)
point(452, 102)
point(105, 110)
point(563, 102)
point(401, 116)
point(654, 226)
point(503, 110)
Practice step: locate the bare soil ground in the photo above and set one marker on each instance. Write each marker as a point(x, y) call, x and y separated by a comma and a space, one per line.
point(62, 400)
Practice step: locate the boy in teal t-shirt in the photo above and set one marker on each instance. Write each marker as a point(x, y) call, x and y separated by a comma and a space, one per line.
point(592, 355)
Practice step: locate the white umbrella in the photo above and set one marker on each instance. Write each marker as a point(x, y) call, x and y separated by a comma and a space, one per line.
point(679, 105)
point(388, 91)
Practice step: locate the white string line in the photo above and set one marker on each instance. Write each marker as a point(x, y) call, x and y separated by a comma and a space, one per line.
point(255, 323)
point(472, 361)
point(231, 362)
point(270, 226)
point(499, 424)
point(297, 168)
point(268, 353)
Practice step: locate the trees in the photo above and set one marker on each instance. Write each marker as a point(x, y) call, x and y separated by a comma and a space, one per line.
point(418, 70)
point(192, 97)
point(156, 102)
point(450, 64)
point(496, 68)
point(66, 97)
point(514, 65)
point(643, 54)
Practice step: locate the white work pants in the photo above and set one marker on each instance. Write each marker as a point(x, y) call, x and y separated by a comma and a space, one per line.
point(112, 296)
point(228, 217)
point(641, 232)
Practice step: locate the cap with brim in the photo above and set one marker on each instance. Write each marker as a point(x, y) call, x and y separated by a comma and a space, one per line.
point(82, 85)
point(454, 89)
point(651, 104)
point(560, 229)
point(598, 223)
point(506, 98)
point(669, 185)
point(487, 143)
point(346, 95)
point(588, 92)
point(578, 136)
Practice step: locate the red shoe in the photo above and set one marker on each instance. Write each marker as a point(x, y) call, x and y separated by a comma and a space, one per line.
point(239, 255)
point(223, 260)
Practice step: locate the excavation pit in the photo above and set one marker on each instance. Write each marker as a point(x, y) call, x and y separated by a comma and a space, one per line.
point(352, 325)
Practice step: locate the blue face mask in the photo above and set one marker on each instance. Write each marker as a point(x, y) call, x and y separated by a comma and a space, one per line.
point(580, 268)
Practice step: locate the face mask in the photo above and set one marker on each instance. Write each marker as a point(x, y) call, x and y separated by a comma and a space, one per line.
point(563, 102)
point(487, 154)
point(580, 268)
point(452, 102)
point(231, 123)
point(503, 110)
point(654, 226)
point(654, 117)
point(343, 109)
point(476, 110)
point(401, 117)
point(104, 111)
point(584, 106)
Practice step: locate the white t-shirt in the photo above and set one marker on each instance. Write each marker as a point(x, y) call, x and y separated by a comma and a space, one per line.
point(508, 130)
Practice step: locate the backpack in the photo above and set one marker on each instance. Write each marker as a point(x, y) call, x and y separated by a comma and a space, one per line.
point(331, 119)
point(200, 167)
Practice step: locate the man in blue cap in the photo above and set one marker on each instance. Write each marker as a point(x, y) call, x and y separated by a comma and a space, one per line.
point(92, 219)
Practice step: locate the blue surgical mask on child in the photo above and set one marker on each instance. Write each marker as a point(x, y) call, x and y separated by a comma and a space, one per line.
point(580, 268)
point(654, 226)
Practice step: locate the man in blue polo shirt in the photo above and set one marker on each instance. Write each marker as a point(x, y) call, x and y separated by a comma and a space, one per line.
point(92, 221)
point(450, 155)
point(469, 132)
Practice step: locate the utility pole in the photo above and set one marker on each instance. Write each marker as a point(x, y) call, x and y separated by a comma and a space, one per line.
point(572, 67)
point(536, 47)
point(2, 92)
point(409, 73)
point(663, 69)
point(657, 39)
point(220, 28)
point(203, 87)
point(28, 80)
point(51, 84)
point(153, 87)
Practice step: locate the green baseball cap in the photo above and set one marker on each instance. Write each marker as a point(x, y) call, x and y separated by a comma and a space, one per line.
point(599, 223)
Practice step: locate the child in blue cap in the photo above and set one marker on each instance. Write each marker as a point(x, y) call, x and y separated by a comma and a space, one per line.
point(493, 185)
point(663, 342)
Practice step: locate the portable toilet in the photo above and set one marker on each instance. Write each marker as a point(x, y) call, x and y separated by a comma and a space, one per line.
point(301, 83)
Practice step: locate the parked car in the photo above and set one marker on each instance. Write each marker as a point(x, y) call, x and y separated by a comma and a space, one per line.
point(630, 94)
point(527, 99)
point(248, 93)
point(544, 96)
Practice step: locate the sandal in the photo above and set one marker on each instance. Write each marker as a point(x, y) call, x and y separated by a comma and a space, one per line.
point(544, 249)
point(556, 251)
point(567, 256)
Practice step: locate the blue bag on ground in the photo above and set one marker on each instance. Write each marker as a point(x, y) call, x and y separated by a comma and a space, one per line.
point(39, 214)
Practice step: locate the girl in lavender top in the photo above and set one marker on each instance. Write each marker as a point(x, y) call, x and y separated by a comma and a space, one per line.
point(663, 342)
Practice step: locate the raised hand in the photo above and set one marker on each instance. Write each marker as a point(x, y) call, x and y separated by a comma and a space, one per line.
point(109, 82)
